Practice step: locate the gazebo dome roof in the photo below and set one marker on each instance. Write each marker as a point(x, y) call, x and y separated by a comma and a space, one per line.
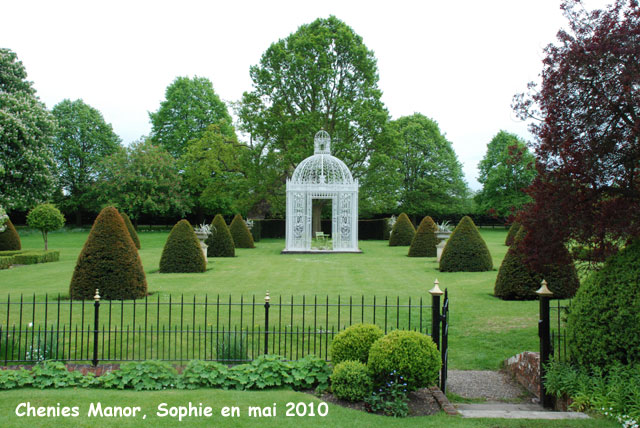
point(322, 167)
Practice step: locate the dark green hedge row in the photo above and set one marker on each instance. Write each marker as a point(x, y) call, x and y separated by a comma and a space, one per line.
point(34, 257)
point(6, 262)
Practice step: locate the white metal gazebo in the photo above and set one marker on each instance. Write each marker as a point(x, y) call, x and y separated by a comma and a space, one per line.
point(322, 176)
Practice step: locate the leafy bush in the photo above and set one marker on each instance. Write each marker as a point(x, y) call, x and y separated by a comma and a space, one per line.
point(204, 374)
point(240, 233)
point(268, 371)
point(424, 242)
point(9, 239)
point(511, 235)
point(108, 261)
point(390, 399)
point(517, 281)
point(182, 251)
point(351, 381)
point(354, 342)
point(402, 232)
point(309, 372)
point(6, 262)
point(54, 374)
point(409, 354)
point(603, 324)
point(141, 376)
point(232, 347)
point(220, 241)
point(131, 230)
point(465, 250)
point(34, 257)
point(46, 218)
point(11, 379)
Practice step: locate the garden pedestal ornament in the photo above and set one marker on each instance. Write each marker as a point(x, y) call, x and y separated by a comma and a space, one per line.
point(442, 234)
point(202, 232)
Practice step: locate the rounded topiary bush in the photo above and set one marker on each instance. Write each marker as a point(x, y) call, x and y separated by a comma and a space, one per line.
point(131, 230)
point(108, 261)
point(511, 234)
point(517, 281)
point(354, 343)
point(402, 232)
point(182, 251)
point(603, 324)
point(240, 233)
point(351, 381)
point(410, 354)
point(424, 242)
point(9, 239)
point(465, 250)
point(220, 241)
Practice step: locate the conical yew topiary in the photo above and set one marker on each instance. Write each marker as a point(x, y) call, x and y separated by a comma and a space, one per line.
point(465, 250)
point(182, 251)
point(513, 231)
point(109, 261)
point(403, 232)
point(240, 233)
point(220, 241)
point(9, 239)
point(131, 230)
point(517, 281)
point(424, 242)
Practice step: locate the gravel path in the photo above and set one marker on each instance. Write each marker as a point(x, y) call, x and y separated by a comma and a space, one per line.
point(491, 385)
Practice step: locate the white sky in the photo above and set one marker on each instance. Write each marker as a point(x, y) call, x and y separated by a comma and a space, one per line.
point(457, 62)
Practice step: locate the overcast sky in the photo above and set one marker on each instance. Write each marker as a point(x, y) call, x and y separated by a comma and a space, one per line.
point(457, 62)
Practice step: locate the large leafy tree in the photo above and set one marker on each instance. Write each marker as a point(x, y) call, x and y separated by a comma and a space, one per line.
point(190, 106)
point(26, 129)
point(81, 141)
point(320, 77)
point(505, 171)
point(588, 132)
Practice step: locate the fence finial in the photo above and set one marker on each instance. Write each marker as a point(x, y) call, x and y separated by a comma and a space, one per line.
point(267, 299)
point(435, 291)
point(97, 296)
point(544, 291)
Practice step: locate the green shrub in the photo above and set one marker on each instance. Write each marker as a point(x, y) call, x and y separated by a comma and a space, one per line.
point(9, 239)
point(12, 379)
point(204, 374)
point(34, 257)
point(511, 235)
point(10, 253)
point(131, 230)
point(54, 374)
point(390, 398)
point(402, 232)
point(409, 354)
point(46, 218)
point(240, 233)
point(256, 230)
point(220, 241)
point(424, 242)
point(354, 342)
point(516, 281)
point(141, 376)
point(603, 324)
point(268, 371)
point(465, 250)
point(351, 381)
point(6, 262)
point(309, 372)
point(108, 261)
point(182, 251)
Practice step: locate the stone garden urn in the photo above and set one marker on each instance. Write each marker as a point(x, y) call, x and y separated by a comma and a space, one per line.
point(202, 236)
point(442, 236)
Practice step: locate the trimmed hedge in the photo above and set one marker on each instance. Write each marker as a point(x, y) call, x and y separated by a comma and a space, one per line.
point(410, 354)
point(131, 230)
point(6, 262)
point(182, 252)
point(603, 324)
point(516, 281)
point(354, 343)
point(403, 232)
point(256, 231)
point(9, 239)
point(511, 235)
point(240, 233)
point(351, 381)
point(220, 241)
point(108, 261)
point(424, 242)
point(34, 257)
point(465, 250)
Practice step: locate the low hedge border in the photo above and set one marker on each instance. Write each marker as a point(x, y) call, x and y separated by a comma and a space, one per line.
point(28, 257)
point(6, 262)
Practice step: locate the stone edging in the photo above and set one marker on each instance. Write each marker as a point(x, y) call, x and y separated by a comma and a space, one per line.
point(443, 401)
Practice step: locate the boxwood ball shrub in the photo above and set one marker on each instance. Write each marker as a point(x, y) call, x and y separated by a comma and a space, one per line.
point(354, 343)
point(108, 261)
point(424, 242)
point(517, 281)
point(351, 381)
point(410, 354)
point(220, 241)
point(9, 238)
point(240, 233)
point(182, 251)
point(511, 234)
point(603, 324)
point(131, 230)
point(402, 232)
point(465, 250)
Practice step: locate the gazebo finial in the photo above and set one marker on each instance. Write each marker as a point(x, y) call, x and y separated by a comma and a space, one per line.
point(322, 142)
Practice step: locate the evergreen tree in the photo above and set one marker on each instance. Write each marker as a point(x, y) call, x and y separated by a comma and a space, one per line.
point(9, 238)
point(220, 241)
point(131, 229)
point(513, 231)
point(424, 242)
point(465, 250)
point(241, 234)
point(403, 232)
point(182, 251)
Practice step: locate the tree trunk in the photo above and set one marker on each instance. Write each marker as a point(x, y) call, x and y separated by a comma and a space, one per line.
point(44, 235)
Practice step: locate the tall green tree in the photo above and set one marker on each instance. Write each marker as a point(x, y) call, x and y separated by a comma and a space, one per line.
point(190, 106)
point(505, 171)
point(81, 141)
point(26, 130)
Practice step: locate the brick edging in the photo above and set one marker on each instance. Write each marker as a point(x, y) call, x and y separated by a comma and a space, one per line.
point(443, 401)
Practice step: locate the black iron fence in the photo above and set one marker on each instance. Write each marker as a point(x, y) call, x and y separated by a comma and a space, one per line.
point(558, 326)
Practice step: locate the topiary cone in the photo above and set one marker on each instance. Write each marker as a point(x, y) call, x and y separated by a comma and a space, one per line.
point(240, 233)
point(465, 250)
point(513, 231)
point(182, 251)
point(403, 232)
point(220, 241)
point(9, 239)
point(424, 242)
point(131, 230)
point(109, 261)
